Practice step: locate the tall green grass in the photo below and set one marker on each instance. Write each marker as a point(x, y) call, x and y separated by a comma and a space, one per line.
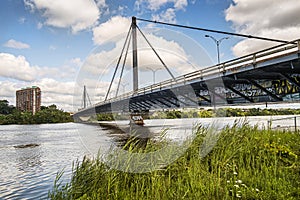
point(246, 163)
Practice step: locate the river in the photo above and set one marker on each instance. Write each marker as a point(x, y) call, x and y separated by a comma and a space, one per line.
point(31, 155)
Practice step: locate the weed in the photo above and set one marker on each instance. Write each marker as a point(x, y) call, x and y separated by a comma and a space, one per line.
point(246, 163)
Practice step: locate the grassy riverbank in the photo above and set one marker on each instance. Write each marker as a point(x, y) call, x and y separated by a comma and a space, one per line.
point(246, 163)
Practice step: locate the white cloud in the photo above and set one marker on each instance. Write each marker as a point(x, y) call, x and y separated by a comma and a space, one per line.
point(171, 52)
point(56, 83)
point(249, 46)
point(18, 68)
point(58, 88)
point(98, 63)
point(29, 4)
point(76, 61)
point(8, 89)
point(155, 5)
point(52, 47)
point(22, 20)
point(39, 25)
point(16, 44)
point(121, 9)
point(101, 3)
point(269, 18)
point(101, 63)
point(75, 14)
point(53, 92)
point(97, 70)
point(103, 7)
point(161, 10)
point(168, 16)
point(180, 4)
point(109, 30)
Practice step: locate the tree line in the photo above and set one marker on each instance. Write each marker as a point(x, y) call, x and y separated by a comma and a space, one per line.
point(202, 113)
point(222, 112)
point(48, 114)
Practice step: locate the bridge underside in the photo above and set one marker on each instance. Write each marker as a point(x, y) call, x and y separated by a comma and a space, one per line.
point(270, 80)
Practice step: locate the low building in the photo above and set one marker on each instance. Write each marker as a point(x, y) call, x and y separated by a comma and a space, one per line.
point(28, 99)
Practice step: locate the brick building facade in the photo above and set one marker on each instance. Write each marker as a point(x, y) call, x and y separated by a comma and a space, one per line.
point(29, 99)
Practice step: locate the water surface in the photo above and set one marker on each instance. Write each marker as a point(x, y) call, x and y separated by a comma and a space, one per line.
point(31, 155)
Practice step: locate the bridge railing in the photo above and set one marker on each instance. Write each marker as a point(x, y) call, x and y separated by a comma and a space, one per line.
point(216, 70)
point(287, 123)
point(261, 56)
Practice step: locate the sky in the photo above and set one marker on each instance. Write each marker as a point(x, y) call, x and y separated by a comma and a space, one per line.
point(61, 45)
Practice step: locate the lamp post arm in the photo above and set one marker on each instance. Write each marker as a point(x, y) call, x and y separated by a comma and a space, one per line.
point(224, 38)
point(218, 42)
point(153, 71)
point(214, 39)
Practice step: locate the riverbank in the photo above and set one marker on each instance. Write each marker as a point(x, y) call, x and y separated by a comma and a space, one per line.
point(46, 115)
point(203, 113)
point(247, 162)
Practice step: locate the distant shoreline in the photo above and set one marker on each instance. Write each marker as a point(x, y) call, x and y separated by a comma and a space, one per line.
point(47, 115)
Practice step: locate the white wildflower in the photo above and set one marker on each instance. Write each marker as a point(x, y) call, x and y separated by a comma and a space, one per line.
point(239, 181)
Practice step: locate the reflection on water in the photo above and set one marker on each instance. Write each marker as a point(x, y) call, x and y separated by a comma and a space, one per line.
point(28, 158)
point(31, 155)
point(122, 133)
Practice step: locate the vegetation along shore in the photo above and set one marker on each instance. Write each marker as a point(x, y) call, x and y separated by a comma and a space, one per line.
point(48, 114)
point(246, 163)
point(205, 113)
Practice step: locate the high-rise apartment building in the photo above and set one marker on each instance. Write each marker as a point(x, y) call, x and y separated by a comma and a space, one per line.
point(29, 99)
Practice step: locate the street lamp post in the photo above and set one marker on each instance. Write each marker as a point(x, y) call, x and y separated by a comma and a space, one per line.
point(124, 86)
point(153, 71)
point(218, 42)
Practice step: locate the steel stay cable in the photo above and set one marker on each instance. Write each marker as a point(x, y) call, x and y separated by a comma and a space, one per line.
point(215, 31)
point(109, 88)
point(156, 54)
point(122, 70)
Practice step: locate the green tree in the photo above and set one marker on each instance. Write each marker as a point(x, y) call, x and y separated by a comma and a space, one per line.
point(5, 108)
point(50, 114)
point(26, 118)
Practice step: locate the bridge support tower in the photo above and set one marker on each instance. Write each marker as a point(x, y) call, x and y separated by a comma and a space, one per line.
point(134, 55)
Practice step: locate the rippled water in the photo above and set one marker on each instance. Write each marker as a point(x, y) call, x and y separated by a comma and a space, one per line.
point(31, 155)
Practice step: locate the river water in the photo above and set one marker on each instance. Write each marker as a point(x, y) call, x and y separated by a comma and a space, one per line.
point(31, 155)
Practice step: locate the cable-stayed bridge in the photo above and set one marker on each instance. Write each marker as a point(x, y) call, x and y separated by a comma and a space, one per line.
point(269, 75)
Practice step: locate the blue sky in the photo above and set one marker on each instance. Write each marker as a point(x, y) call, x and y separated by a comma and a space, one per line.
point(46, 43)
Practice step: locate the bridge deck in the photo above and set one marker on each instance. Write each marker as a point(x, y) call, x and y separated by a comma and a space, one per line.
point(268, 75)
